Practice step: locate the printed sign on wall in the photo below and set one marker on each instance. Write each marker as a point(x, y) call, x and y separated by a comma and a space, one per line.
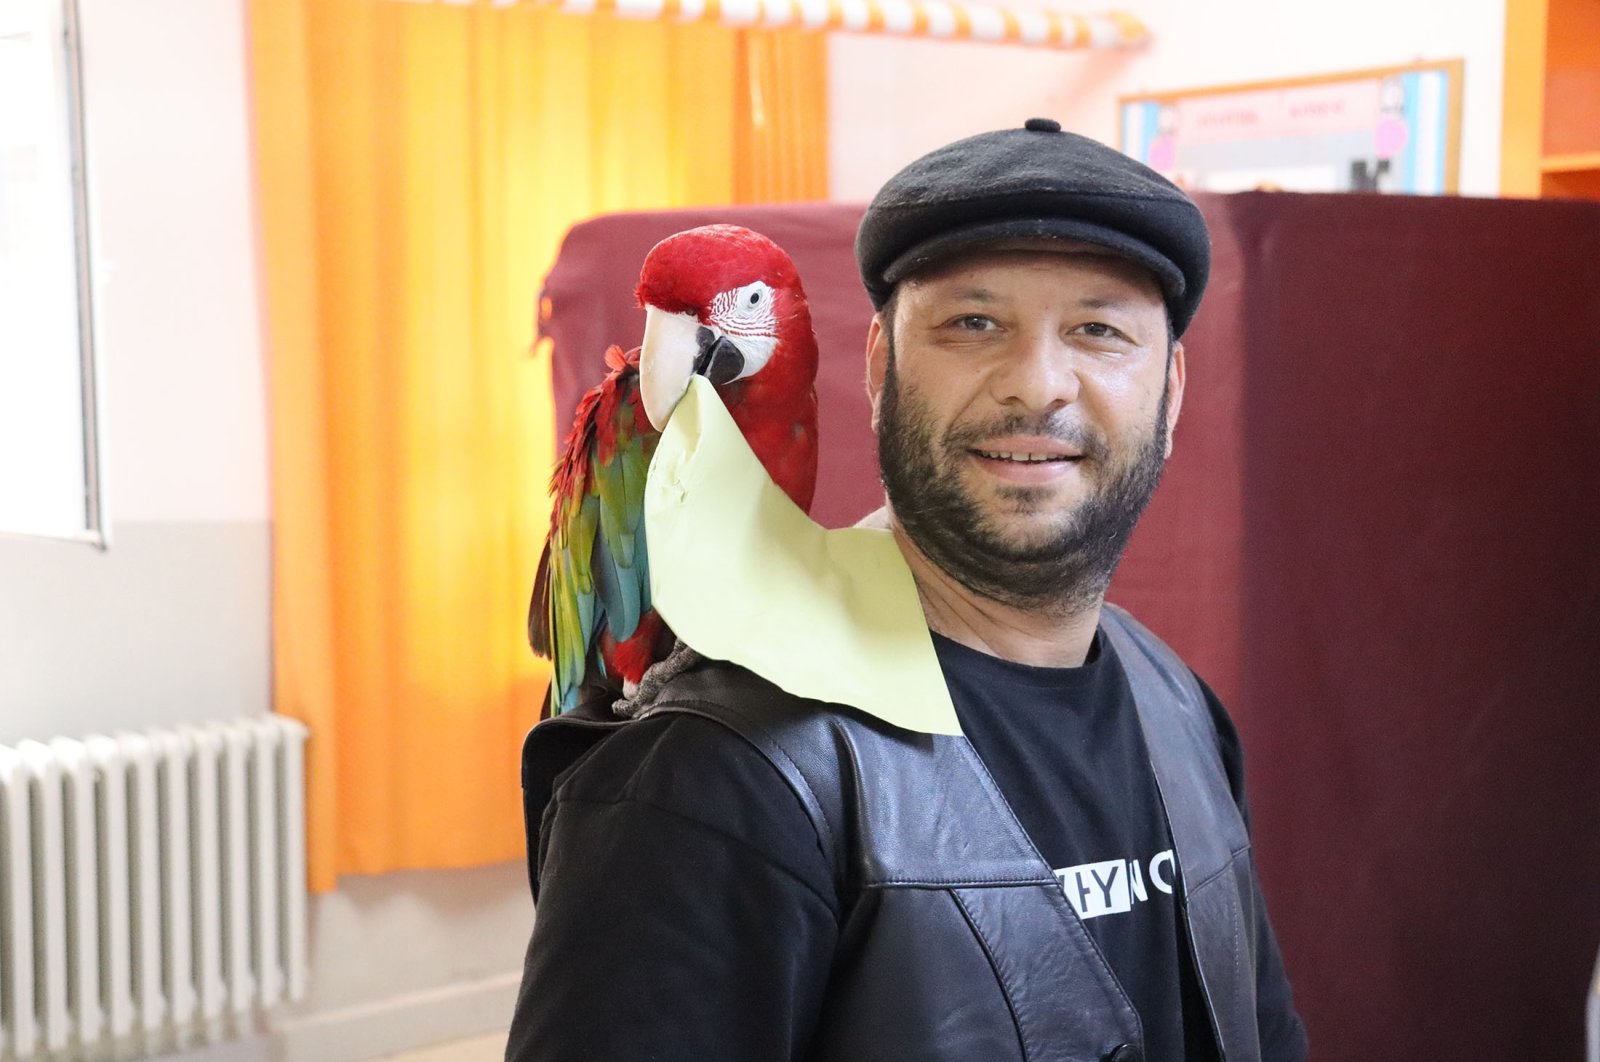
point(1390, 130)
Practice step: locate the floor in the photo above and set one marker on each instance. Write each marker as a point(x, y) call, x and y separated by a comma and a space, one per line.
point(480, 1049)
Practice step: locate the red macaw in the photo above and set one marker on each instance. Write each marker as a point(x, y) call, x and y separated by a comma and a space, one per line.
point(720, 301)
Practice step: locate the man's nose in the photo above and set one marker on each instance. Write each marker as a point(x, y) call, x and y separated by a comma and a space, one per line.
point(1039, 372)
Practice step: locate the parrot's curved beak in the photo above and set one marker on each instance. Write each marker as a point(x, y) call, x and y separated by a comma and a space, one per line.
point(666, 361)
point(677, 346)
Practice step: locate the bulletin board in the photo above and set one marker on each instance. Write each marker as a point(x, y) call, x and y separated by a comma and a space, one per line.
point(1394, 129)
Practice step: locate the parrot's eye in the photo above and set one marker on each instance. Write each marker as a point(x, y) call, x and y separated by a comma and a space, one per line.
point(747, 317)
point(743, 308)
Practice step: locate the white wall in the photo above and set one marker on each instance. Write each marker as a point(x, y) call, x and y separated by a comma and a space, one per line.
point(166, 110)
point(172, 623)
point(169, 625)
point(893, 100)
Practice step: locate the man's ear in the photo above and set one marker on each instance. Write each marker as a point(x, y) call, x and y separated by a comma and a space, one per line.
point(877, 361)
point(1176, 375)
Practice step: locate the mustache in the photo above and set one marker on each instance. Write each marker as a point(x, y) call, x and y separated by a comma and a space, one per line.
point(1090, 442)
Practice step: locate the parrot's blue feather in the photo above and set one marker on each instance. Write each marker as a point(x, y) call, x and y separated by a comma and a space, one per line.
point(618, 589)
point(633, 464)
point(641, 570)
point(614, 512)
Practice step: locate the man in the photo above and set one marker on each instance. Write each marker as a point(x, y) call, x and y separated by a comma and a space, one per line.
point(740, 874)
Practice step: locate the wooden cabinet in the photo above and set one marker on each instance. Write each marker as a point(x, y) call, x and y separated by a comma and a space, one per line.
point(1550, 140)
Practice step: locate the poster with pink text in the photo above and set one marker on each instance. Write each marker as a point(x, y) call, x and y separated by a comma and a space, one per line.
point(1392, 130)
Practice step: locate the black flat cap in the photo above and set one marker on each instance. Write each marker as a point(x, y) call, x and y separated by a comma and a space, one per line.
point(1034, 182)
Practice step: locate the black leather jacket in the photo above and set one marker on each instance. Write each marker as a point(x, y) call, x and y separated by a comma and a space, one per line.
point(957, 941)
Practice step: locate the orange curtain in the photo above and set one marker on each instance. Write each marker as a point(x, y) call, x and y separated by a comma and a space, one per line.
point(417, 166)
point(780, 118)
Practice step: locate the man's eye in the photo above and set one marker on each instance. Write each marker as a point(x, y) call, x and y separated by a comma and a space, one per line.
point(1100, 330)
point(974, 322)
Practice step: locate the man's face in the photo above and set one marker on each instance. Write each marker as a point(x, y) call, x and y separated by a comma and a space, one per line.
point(1023, 400)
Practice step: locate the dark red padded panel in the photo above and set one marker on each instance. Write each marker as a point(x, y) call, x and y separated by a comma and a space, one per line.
point(1379, 540)
point(1183, 572)
point(1421, 611)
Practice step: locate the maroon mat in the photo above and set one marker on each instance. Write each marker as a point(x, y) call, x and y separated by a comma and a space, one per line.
point(1378, 539)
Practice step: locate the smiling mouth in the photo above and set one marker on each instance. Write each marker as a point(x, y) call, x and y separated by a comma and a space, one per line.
point(1025, 458)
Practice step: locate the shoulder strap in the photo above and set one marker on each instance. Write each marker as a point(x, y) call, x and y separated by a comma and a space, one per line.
point(1208, 831)
point(1152, 664)
point(1182, 742)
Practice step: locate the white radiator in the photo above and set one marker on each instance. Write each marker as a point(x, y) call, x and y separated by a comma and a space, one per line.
point(152, 887)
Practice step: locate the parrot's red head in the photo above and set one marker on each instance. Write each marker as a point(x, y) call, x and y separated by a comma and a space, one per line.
point(724, 302)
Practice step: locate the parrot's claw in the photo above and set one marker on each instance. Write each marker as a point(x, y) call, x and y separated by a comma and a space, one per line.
point(638, 698)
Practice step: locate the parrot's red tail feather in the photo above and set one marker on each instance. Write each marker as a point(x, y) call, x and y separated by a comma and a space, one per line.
point(630, 659)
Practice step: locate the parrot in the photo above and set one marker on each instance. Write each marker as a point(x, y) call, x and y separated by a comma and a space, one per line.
point(721, 301)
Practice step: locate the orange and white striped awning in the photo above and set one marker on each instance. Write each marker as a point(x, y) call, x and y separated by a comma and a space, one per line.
point(937, 19)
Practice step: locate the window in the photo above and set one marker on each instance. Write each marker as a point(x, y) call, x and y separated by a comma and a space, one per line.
point(49, 454)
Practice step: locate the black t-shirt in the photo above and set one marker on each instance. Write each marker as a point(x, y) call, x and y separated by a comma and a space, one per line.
point(1065, 747)
point(682, 877)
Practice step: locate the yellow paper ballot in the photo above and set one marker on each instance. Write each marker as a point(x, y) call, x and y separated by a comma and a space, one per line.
point(741, 574)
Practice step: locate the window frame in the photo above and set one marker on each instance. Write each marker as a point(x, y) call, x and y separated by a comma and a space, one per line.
point(60, 21)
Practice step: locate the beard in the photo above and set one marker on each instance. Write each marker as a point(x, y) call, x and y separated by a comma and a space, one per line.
point(1062, 568)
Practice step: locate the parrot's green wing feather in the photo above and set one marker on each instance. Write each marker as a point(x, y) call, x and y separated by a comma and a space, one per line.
point(594, 577)
point(572, 597)
point(634, 462)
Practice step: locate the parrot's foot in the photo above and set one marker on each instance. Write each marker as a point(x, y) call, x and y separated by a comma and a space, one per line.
point(638, 699)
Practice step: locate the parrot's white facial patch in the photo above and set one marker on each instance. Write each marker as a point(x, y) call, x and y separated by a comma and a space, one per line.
point(747, 316)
